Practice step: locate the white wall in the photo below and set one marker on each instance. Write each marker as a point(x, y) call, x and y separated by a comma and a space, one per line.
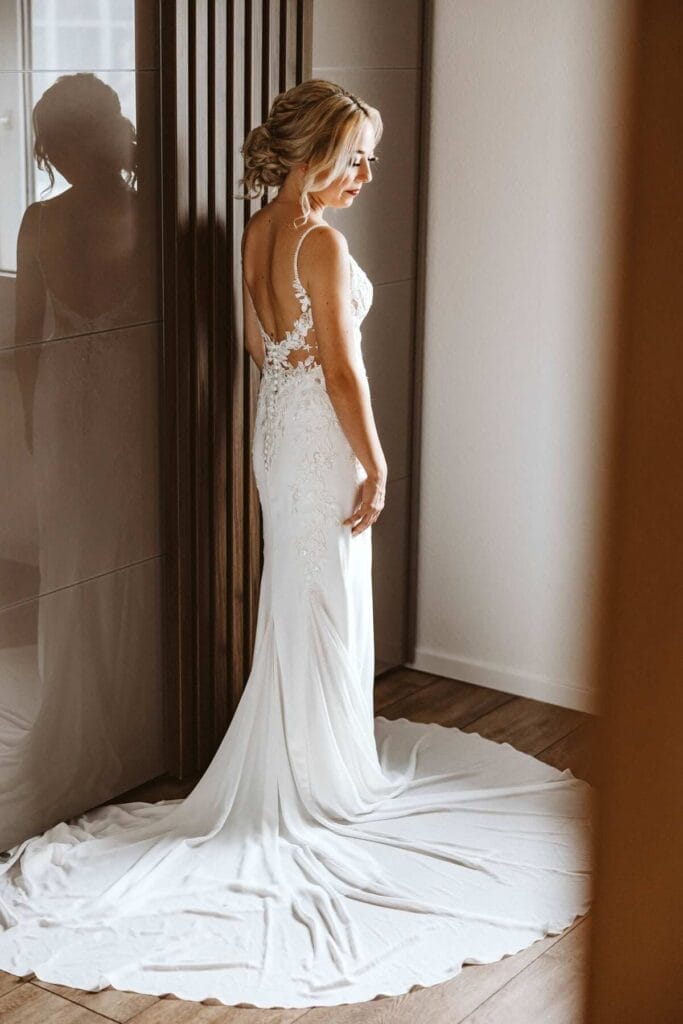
point(522, 233)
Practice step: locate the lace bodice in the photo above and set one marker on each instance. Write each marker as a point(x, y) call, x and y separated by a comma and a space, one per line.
point(293, 359)
point(295, 341)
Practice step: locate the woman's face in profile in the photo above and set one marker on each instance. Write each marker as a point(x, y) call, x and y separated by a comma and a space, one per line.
point(342, 192)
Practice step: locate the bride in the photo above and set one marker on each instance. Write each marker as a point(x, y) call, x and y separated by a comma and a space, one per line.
point(326, 856)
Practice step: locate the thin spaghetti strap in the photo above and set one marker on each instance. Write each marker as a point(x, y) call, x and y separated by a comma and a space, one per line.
point(298, 246)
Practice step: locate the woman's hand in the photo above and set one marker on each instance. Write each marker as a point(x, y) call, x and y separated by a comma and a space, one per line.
point(369, 504)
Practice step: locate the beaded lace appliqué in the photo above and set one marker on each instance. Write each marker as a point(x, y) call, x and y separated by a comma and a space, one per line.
point(279, 373)
point(361, 292)
point(313, 503)
point(315, 429)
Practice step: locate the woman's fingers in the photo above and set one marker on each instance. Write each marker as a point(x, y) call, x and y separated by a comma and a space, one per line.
point(356, 508)
point(363, 524)
point(369, 504)
point(361, 518)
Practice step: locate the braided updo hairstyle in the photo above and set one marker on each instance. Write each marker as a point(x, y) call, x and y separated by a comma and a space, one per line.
point(316, 122)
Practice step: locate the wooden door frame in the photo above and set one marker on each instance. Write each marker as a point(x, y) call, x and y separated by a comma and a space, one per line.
point(635, 949)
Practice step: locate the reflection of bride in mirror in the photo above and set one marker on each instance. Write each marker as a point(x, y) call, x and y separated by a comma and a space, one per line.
point(83, 241)
point(79, 250)
point(79, 262)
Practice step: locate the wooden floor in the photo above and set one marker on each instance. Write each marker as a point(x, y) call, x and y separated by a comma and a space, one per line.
point(539, 985)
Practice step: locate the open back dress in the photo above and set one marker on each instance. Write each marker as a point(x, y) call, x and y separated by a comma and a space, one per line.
point(327, 855)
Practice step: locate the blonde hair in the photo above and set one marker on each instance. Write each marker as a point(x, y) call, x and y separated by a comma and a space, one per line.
point(316, 122)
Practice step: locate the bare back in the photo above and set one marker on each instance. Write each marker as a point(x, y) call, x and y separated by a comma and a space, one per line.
point(274, 273)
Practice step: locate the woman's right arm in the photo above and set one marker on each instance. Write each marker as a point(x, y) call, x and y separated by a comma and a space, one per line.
point(325, 271)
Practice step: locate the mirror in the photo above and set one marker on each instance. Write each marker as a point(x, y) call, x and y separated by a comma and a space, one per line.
point(79, 365)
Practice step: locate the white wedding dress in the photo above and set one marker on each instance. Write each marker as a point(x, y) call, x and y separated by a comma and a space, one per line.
point(326, 856)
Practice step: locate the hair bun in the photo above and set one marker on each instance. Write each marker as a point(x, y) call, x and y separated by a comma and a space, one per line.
point(314, 123)
point(261, 160)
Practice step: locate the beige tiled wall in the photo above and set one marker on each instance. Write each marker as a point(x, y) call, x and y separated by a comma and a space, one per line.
point(81, 560)
point(374, 50)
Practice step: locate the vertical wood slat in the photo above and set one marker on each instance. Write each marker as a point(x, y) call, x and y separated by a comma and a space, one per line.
point(253, 114)
point(271, 55)
point(221, 66)
point(175, 404)
point(238, 366)
point(201, 144)
point(282, 71)
point(291, 21)
point(265, 75)
point(220, 218)
point(417, 371)
point(302, 51)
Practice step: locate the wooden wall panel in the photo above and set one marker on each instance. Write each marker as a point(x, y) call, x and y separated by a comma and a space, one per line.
point(222, 65)
point(176, 406)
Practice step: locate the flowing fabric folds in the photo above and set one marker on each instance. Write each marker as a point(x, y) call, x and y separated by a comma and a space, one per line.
point(327, 855)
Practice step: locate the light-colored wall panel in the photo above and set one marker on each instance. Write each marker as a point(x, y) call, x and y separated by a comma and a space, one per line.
point(355, 33)
point(390, 578)
point(388, 355)
point(381, 226)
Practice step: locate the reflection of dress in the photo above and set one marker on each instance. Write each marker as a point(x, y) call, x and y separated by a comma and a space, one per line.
point(87, 424)
point(325, 856)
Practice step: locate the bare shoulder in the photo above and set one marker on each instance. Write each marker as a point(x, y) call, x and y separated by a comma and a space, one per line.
point(256, 217)
point(327, 243)
point(324, 254)
point(248, 229)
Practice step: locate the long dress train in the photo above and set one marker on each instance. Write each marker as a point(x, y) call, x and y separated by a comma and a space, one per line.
point(326, 856)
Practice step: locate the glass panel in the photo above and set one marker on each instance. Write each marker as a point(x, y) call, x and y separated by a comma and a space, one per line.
point(78, 35)
point(78, 218)
point(82, 33)
point(80, 369)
